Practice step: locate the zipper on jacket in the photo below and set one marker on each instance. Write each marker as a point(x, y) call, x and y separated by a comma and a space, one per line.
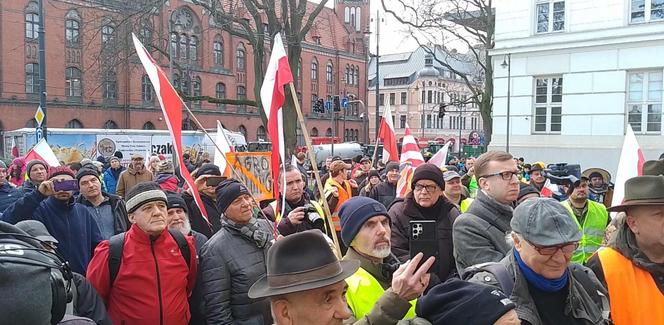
point(156, 265)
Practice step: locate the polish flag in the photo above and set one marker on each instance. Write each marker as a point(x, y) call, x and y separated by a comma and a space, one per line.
point(410, 151)
point(14, 148)
point(405, 179)
point(387, 136)
point(273, 96)
point(171, 105)
point(440, 158)
point(42, 151)
point(549, 189)
point(630, 165)
point(222, 142)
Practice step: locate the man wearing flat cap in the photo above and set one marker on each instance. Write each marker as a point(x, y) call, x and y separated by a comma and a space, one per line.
point(632, 266)
point(537, 274)
point(135, 173)
point(304, 281)
point(381, 291)
point(233, 259)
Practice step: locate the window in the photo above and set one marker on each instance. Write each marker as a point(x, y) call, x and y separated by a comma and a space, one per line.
point(328, 132)
point(148, 126)
point(548, 104)
point(146, 34)
point(110, 86)
point(74, 124)
point(317, 40)
point(242, 129)
point(107, 34)
point(402, 121)
point(392, 98)
point(240, 59)
point(196, 90)
point(72, 32)
point(110, 124)
point(183, 46)
point(646, 10)
point(220, 93)
point(381, 100)
point(644, 101)
point(218, 52)
point(260, 133)
point(31, 25)
point(474, 123)
point(346, 15)
point(329, 73)
point(174, 45)
point(193, 48)
point(32, 78)
point(550, 16)
point(241, 94)
point(428, 121)
point(314, 132)
point(314, 100)
point(357, 75)
point(429, 96)
point(403, 98)
point(146, 89)
point(314, 69)
point(348, 75)
point(72, 82)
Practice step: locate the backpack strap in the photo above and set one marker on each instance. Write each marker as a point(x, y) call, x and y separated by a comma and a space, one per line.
point(115, 246)
point(498, 270)
point(596, 292)
point(183, 245)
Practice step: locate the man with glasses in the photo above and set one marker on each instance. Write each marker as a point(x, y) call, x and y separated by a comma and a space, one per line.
point(537, 274)
point(479, 234)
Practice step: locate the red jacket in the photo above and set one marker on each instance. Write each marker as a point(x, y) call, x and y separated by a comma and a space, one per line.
point(135, 298)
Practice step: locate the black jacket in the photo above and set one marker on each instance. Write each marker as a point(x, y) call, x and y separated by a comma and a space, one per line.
point(88, 303)
point(196, 219)
point(8, 194)
point(385, 193)
point(121, 219)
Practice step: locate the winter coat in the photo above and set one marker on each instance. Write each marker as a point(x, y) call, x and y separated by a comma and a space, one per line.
point(121, 219)
point(111, 179)
point(477, 240)
point(69, 222)
point(88, 303)
point(131, 177)
point(404, 210)
point(28, 186)
point(8, 194)
point(384, 192)
point(196, 219)
point(227, 274)
point(153, 282)
point(168, 183)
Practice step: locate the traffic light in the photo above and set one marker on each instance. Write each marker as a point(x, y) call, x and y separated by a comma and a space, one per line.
point(441, 110)
point(337, 104)
point(319, 106)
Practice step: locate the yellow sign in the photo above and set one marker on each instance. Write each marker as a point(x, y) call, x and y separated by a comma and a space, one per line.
point(39, 116)
point(255, 170)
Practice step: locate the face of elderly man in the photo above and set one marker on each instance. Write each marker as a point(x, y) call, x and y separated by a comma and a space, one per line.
point(373, 239)
point(547, 261)
point(321, 306)
point(647, 224)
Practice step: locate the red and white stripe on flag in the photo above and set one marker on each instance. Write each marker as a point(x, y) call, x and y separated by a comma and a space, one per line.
point(410, 151)
point(387, 136)
point(42, 151)
point(405, 179)
point(630, 165)
point(273, 96)
point(171, 105)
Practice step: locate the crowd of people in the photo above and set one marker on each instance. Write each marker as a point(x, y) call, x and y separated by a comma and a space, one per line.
point(485, 240)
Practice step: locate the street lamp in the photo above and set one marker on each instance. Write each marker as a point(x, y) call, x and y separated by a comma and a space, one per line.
point(508, 64)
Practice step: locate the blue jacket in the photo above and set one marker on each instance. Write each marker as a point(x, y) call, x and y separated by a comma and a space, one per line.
point(110, 180)
point(8, 194)
point(69, 222)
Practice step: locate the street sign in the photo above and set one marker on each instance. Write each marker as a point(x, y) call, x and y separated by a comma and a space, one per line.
point(328, 105)
point(39, 116)
point(38, 134)
point(344, 103)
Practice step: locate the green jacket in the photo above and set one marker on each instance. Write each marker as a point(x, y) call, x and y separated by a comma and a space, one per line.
point(593, 228)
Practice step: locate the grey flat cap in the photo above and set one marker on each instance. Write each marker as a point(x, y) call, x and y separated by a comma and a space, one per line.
point(545, 222)
point(450, 175)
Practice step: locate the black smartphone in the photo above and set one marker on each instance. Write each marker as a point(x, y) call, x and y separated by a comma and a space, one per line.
point(66, 185)
point(214, 180)
point(423, 239)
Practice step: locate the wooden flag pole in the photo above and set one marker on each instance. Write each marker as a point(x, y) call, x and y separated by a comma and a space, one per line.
point(312, 160)
point(375, 153)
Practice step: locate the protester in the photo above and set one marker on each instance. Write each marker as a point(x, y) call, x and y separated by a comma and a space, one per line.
point(373, 179)
point(361, 173)
point(591, 217)
point(526, 192)
point(381, 291)
point(165, 177)
point(37, 172)
point(16, 172)
point(302, 166)
point(233, 259)
point(479, 234)
point(178, 219)
point(187, 162)
point(301, 212)
point(135, 173)
point(454, 191)
point(152, 165)
point(458, 302)
point(386, 192)
point(631, 266)
point(537, 274)
point(537, 179)
point(112, 175)
point(469, 178)
point(8, 193)
point(309, 288)
point(426, 202)
point(69, 222)
point(338, 189)
point(600, 189)
point(76, 166)
point(207, 193)
point(108, 210)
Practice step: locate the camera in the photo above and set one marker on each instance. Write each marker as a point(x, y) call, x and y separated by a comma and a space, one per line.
point(563, 173)
point(311, 214)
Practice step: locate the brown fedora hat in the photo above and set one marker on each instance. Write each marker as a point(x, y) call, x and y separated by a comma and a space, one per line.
point(300, 262)
point(642, 190)
point(653, 167)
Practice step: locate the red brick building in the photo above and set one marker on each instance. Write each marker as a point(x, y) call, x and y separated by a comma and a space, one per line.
point(89, 85)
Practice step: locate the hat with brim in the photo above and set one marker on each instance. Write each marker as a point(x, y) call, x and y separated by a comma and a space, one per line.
point(653, 167)
point(36, 229)
point(300, 262)
point(605, 174)
point(642, 191)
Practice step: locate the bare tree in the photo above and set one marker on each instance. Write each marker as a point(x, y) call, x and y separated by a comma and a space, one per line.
point(465, 24)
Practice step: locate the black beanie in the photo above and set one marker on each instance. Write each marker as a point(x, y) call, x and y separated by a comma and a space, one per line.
point(457, 302)
point(32, 163)
point(227, 191)
point(355, 212)
point(430, 172)
point(373, 173)
point(85, 171)
point(176, 201)
point(526, 189)
point(208, 169)
point(142, 193)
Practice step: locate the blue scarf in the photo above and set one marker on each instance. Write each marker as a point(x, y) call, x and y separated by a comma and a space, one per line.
point(538, 281)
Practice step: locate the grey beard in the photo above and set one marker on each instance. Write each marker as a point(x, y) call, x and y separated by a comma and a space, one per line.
point(185, 229)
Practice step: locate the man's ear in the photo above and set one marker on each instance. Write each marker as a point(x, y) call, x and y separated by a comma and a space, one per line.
point(280, 312)
point(482, 183)
point(131, 218)
point(630, 221)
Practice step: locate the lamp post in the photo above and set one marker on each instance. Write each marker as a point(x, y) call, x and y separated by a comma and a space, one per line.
point(508, 64)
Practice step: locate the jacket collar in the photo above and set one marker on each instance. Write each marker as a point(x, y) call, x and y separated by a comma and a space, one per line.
point(137, 234)
point(57, 204)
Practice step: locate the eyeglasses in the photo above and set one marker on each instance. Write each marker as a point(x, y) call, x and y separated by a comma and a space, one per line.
point(429, 188)
point(567, 248)
point(506, 175)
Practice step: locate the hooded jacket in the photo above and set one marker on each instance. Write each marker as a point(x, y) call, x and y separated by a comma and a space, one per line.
point(384, 192)
point(121, 219)
point(111, 178)
point(69, 222)
point(168, 183)
point(8, 194)
point(131, 177)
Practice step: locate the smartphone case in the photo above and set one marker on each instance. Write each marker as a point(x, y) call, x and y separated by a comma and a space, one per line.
point(423, 238)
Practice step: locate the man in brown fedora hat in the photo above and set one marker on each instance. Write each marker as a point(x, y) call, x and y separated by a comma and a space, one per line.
point(632, 266)
point(305, 281)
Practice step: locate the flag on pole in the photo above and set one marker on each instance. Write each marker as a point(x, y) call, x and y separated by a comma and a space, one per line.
point(14, 148)
point(440, 158)
point(405, 178)
point(387, 136)
point(630, 165)
point(171, 105)
point(222, 142)
point(273, 96)
point(410, 151)
point(43, 152)
point(549, 189)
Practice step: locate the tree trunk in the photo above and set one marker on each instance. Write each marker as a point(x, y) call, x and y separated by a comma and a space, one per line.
point(486, 106)
point(290, 115)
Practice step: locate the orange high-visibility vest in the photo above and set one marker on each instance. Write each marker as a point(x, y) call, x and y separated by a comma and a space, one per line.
point(635, 298)
point(345, 192)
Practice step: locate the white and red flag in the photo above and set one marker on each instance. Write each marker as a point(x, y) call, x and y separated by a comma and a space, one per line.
point(273, 96)
point(222, 143)
point(630, 165)
point(14, 148)
point(549, 189)
point(171, 105)
point(42, 151)
point(440, 158)
point(410, 151)
point(387, 136)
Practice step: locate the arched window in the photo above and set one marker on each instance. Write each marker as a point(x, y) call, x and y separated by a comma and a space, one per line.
point(314, 69)
point(241, 94)
point(107, 34)
point(357, 75)
point(72, 32)
point(146, 89)
point(218, 51)
point(196, 89)
point(32, 78)
point(72, 82)
point(346, 15)
point(110, 124)
point(328, 132)
point(74, 124)
point(32, 123)
point(220, 93)
point(242, 130)
point(314, 132)
point(146, 34)
point(352, 16)
point(240, 58)
point(174, 45)
point(148, 126)
point(193, 48)
point(329, 73)
point(358, 18)
point(31, 21)
point(110, 86)
point(348, 75)
point(260, 133)
point(183, 46)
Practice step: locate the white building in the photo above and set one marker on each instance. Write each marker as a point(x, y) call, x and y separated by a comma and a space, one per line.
point(581, 70)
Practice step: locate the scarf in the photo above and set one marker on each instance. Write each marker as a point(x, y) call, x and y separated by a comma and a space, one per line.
point(538, 281)
point(625, 243)
point(251, 231)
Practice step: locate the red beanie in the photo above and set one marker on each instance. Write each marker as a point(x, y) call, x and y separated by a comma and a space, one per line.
point(60, 170)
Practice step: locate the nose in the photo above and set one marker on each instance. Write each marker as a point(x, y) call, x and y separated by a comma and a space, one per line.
point(341, 310)
point(559, 257)
point(381, 229)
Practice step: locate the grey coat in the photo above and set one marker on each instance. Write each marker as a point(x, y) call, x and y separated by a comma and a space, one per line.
point(477, 240)
point(578, 304)
point(229, 263)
